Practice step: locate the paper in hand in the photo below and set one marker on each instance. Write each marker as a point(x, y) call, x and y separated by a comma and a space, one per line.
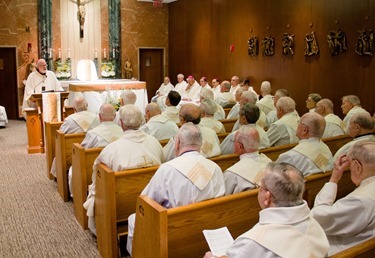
point(219, 240)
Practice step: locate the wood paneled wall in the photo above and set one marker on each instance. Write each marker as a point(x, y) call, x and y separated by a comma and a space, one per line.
point(201, 32)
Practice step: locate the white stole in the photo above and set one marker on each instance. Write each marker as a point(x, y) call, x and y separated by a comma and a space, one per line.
point(366, 189)
point(331, 118)
point(198, 172)
point(84, 119)
point(317, 151)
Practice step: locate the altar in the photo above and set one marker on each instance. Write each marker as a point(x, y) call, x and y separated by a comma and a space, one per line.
point(98, 92)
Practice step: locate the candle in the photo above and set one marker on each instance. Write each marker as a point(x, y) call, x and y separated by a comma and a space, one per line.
point(113, 53)
point(68, 52)
point(96, 53)
point(50, 53)
point(59, 52)
point(105, 55)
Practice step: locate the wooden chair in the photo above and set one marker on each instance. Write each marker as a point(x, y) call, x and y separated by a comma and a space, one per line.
point(64, 146)
point(115, 199)
point(177, 232)
point(82, 163)
point(50, 129)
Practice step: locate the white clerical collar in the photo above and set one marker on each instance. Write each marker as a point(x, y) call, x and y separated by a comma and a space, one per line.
point(284, 215)
point(249, 155)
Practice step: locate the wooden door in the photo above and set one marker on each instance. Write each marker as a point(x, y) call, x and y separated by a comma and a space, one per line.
point(151, 69)
point(8, 81)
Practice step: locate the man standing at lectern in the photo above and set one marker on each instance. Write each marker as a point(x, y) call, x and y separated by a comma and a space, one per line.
point(39, 80)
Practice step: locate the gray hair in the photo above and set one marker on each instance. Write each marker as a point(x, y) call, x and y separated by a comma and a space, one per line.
point(131, 116)
point(226, 85)
point(206, 94)
point(249, 97)
point(287, 104)
point(266, 87)
point(208, 106)
point(80, 104)
point(249, 137)
point(315, 97)
point(128, 97)
point(251, 112)
point(364, 120)
point(364, 151)
point(282, 93)
point(353, 99)
point(285, 182)
point(327, 103)
point(180, 75)
point(189, 135)
point(315, 122)
point(107, 112)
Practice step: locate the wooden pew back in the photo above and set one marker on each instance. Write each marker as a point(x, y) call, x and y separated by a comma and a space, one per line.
point(228, 124)
point(64, 146)
point(50, 129)
point(115, 199)
point(177, 232)
point(335, 143)
point(82, 162)
point(365, 249)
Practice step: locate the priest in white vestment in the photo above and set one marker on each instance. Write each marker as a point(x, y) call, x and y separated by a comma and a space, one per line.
point(162, 92)
point(286, 227)
point(204, 84)
point(192, 90)
point(311, 155)
point(134, 149)
point(272, 115)
point(350, 220)
point(181, 84)
point(126, 97)
point(266, 103)
point(208, 94)
point(283, 131)
point(334, 125)
point(210, 142)
point(3, 116)
point(350, 106)
point(242, 175)
point(188, 178)
point(39, 80)
point(234, 111)
point(312, 100)
point(225, 98)
point(234, 84)
point(361, 127)
point(249, 115)
point(208, 109)
point(158, 125)
point(215, 87)
point(171, 110)
point(106, 132)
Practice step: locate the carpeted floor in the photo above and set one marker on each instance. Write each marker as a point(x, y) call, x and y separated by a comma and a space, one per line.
point(34, 221)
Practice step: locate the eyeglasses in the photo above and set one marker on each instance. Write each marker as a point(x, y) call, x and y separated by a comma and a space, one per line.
point(264, 188)
point(354, 159)
point(299, 122)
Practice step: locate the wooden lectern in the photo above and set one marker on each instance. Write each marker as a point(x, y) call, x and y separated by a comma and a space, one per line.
point(35, 122)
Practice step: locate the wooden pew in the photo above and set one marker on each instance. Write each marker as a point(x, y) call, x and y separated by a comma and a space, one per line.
point(177, 232)
point(64, 146)
point(50, 129)
point(227, 110)
point(336, 142)
point(115, 199)
point(164, 142)
point(82, 163)
point(228, 124)
point(222, 136)
point(365, 249)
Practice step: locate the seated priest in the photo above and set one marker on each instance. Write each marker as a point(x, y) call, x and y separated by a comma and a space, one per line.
point(286, 227)
point(350, 106)
point(241, 176)
point(134, 149)
point(162, 93)
point(311, 155)
point(171, 103)
point(334, 125)
point(208, 109)
point(266, 103)
point(188, 178)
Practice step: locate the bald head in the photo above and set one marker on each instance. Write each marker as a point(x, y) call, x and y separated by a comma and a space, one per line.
point(248, 137)
point(315, 125)
point(107, 113)
point(128, 97)
point(324, 107)
point(190, 113)
point(152, 110)
point(79, 104)
point(265, 88)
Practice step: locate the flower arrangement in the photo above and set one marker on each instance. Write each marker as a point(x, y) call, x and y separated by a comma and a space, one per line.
point(63, 71)
point(111, 98)
point(108, 69)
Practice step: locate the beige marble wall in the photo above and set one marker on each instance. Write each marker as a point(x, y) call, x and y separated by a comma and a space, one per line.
point(143, 26)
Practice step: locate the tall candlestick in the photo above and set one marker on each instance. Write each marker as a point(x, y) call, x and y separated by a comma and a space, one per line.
point(68, 52)
point(105, 54)
point(50, 53)
point(96, 53)
point(59, 52)
point(113, 53)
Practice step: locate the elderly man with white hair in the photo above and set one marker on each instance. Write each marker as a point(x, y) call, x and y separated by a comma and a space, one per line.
point(240, 176)
point(162, 92)
point(208, 109)
point(250, 97)
point(311, 155)
point(233, 113)
point(350, 106)
point(158, 125)
point(350, 220)
point(134, 149)
point(272, 115)
point(334, 125)
point(225, 98)
point(266, 103)
point(283, 131)
point(286, 227)
point(188, 178)
point(234, 84)
point(126, 97)
point(209, 94)
point(181, 84)
point(361, 127)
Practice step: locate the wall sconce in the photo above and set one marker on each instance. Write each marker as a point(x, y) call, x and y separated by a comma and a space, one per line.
point(27, 28)
point(29, 47)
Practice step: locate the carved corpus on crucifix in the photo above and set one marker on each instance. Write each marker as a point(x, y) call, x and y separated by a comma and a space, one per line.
point(81, 16)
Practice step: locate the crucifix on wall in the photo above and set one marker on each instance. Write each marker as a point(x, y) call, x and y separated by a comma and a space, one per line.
point(81, 16)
